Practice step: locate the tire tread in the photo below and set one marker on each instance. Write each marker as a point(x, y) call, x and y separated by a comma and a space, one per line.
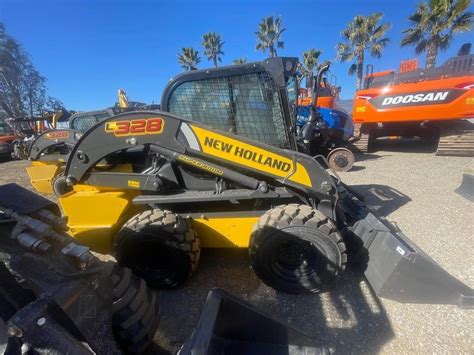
point(296, 215)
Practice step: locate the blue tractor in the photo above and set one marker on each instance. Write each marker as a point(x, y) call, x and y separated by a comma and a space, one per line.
point(325, 131)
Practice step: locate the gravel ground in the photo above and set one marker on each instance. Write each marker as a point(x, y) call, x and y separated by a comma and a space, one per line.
point(416, 190)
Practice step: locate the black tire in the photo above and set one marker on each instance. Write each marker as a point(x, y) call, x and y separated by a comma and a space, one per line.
point(341, 159)
point(159, 246)
point(11, 302)
point(60, 186)
point(296, 249)
point(5, 258)
point(135, 311)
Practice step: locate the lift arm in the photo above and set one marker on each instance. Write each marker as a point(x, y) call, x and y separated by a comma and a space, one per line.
point(229, 156)
point(50, 139)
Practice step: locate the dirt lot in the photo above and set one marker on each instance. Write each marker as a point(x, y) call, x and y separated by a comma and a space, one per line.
point(416, 190)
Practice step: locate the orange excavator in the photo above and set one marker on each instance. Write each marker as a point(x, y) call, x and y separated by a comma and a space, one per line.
point(436, 105)
point(328, 95)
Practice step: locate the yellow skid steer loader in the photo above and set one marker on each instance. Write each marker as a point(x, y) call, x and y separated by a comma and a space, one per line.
point(185, 186)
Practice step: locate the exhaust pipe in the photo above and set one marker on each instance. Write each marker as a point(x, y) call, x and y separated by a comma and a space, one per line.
point(396, 268)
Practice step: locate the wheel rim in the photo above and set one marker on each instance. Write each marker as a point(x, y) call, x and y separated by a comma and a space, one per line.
point(159, 262)
point(296, 258)
point(60, 186)
point(298, 261)
point(341, 160)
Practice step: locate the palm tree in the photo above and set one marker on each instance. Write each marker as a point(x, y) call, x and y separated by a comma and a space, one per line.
point(189, 58)
point(268, 35)
point(212, 44)
point(310, 60)
point(434, 24)
point(324, 63)
point(240, 60)
point(361, 34)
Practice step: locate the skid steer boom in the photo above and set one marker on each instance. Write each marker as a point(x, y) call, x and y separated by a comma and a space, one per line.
point(396, 268)
point(54, 139)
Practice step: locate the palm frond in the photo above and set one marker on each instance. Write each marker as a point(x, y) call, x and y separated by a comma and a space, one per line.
point(363, 33)
point(240, 60)
point(435, 22)
point(353, 69)
point(445, 41)
point(310, 58)
point(344, 52)
point(421, 46)
point(212, 44)
point(412, 36)
point(377, 48)
point(463, 23)
point(189, 58)
point(269, 34)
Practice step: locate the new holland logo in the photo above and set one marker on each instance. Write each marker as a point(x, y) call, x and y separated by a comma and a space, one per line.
point(423, 97)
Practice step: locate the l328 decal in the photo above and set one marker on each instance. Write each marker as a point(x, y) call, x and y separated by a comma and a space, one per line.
point(140, 126)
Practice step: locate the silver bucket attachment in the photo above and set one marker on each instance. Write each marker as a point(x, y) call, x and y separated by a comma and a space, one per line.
point(396, 268)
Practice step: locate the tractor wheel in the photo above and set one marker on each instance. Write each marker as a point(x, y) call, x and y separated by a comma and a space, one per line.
point(60, 186)
point(341, 159)
point(295, 248)
point(134, 311)
point(159, 246)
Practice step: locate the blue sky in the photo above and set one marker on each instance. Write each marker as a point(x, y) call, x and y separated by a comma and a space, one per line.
point(90, 48)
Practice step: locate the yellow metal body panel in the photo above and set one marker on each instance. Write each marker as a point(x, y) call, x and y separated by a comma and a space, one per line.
point(41, 175)
point(248, 155)
point(96, 215)
point(224, 232)
point(301, 176)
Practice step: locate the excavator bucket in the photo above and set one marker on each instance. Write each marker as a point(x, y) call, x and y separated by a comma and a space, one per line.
point(396, 268)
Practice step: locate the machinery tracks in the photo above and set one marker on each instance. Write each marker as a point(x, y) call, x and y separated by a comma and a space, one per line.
point(361, 145)
point(453, 141)
point(456, 143)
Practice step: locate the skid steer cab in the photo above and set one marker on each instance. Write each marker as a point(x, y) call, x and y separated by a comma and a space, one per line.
point(170, 186)
point(260, 101)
